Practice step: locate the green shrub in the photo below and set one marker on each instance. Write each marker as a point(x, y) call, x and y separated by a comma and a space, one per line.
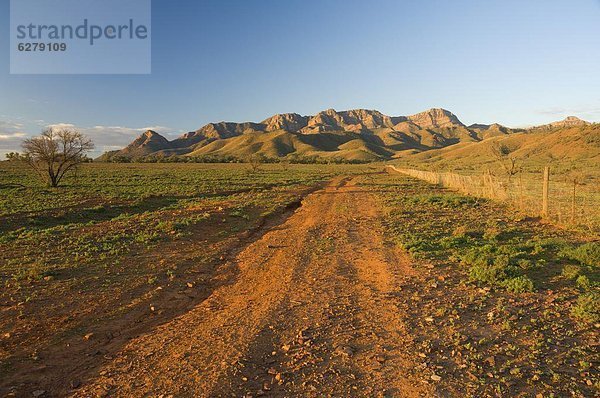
point(583, 282)
point(451, 242)
point(486, 274)
point(502, 261)
point(587, 308)
point(571, 271)
point(492, 232)
point(525, 264)
point(519, 284)
point(479, 256)
point(448, 200)
point(586, 254)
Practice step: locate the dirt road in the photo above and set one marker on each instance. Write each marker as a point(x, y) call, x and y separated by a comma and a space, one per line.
point(310, 313)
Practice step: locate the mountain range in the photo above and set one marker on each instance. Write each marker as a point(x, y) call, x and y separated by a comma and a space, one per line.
point(353, 135)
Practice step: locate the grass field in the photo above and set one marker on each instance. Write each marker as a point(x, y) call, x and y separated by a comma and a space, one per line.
point(114, 233)
point(493, 303)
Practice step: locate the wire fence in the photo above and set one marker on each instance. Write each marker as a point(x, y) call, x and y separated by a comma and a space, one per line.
point(572, 202)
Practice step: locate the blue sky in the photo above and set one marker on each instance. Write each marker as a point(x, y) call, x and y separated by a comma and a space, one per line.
point(513, 62)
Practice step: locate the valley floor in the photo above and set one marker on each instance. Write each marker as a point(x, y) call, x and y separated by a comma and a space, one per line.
point(324, 302)
point(310, 313)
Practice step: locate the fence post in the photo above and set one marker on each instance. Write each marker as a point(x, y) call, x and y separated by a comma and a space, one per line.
point(545, 191)
point(573, 202)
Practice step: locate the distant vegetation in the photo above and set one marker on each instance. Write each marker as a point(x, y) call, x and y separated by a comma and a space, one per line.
point(294, 159)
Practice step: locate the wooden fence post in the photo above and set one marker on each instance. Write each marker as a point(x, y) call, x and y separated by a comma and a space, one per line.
point(545, 212)
point(573, 202)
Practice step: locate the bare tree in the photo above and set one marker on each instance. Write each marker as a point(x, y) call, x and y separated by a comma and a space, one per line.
point(55, 153)
point(509, 162)
point(285, 164)
point(255, 161)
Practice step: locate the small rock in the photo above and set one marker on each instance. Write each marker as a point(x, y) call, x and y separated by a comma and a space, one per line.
point(435, 377)
point(152, 308)
point(272, 371)
point(285, 347)
point(380, 358)
point(266, 386)
point(88, 336)
point(429, 319)
point(38, 393)
point(279, 378)
point(75, 384)
point(345, 350)
point(190, 285)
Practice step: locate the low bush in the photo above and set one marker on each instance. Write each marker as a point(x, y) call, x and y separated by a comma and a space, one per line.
point(586, 254)
point(519, 284)
point(587, 308)
point(571, 271)
point(583, 282)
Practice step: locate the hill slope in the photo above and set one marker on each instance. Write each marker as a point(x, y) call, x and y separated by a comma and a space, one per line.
point(355, 135)
point(574, 144)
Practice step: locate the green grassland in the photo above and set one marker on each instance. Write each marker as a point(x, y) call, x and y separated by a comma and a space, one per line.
point(87, 251)
point(516, 299)
point(513, 304)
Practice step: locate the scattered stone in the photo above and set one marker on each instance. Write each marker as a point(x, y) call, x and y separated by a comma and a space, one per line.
point(38, 393)
point(429, 319)
point(380, 358)
point(152, 308)
point(491, 361)
point(435, 377)
point(279, 378)
point(272, 371)
point(285, 347)
point(345, 350)
point(190, 285)
point(88, 336)
point(266, 386)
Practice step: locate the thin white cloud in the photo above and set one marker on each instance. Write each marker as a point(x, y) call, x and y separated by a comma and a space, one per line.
point(105, 138)
point(9, 125)
point(590, 111)
point(108, 138)
point(12, 136)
